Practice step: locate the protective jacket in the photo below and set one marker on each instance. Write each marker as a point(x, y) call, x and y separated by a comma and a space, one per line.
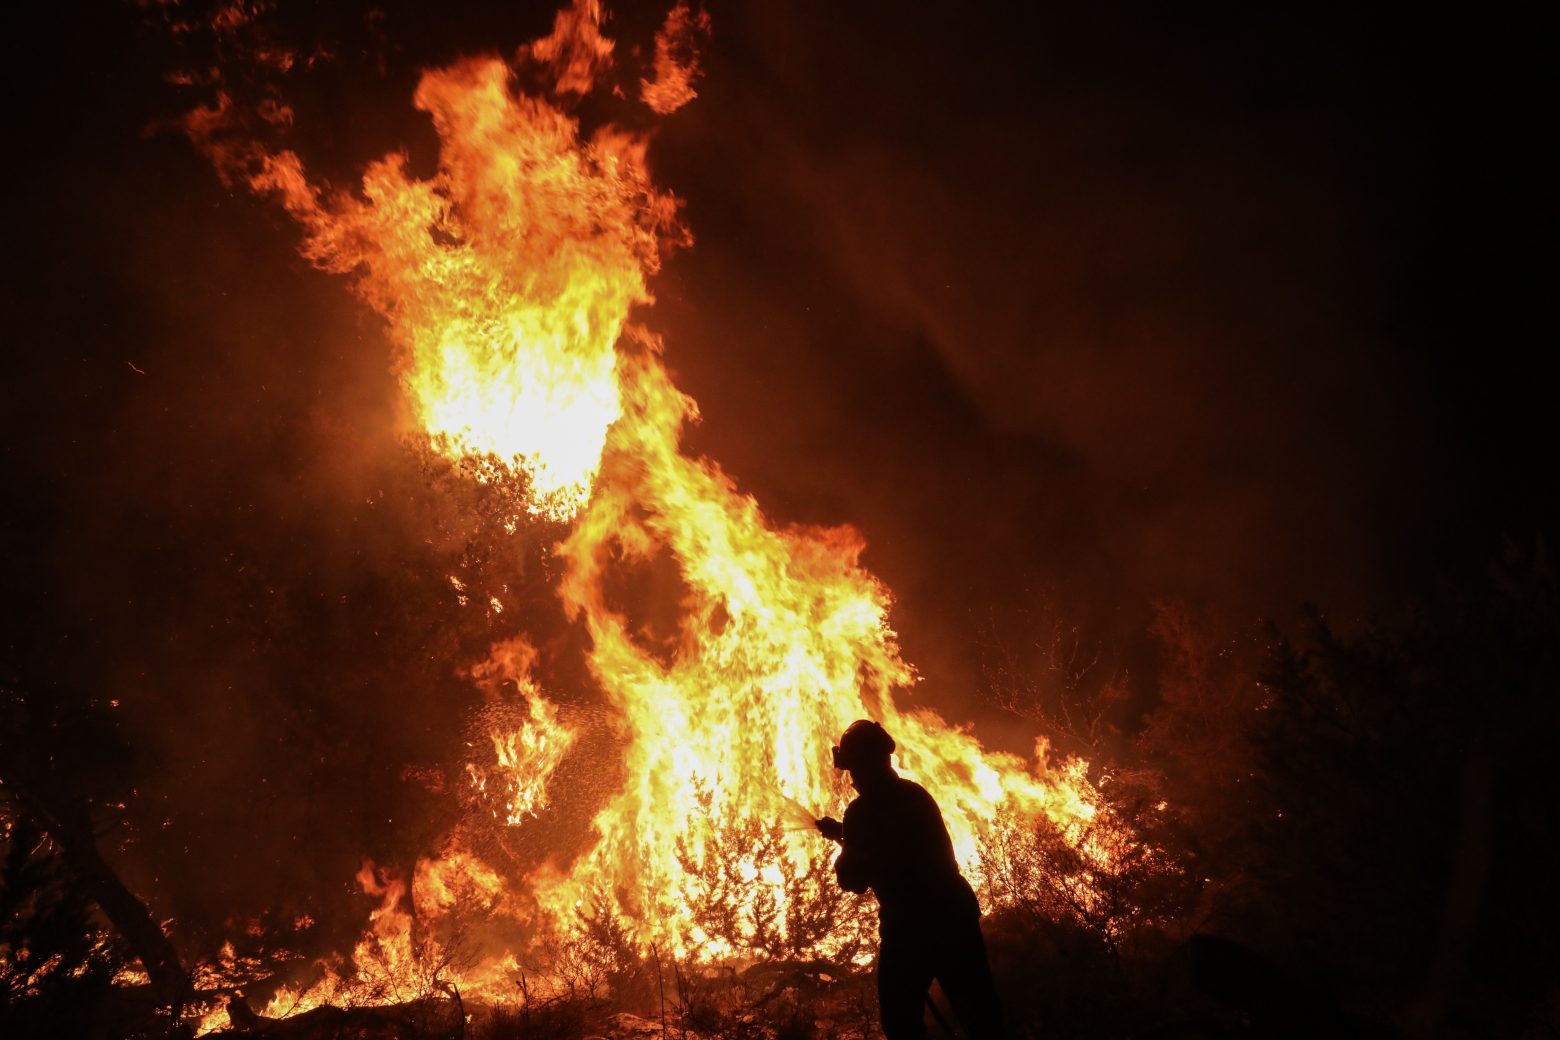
point(896, 844)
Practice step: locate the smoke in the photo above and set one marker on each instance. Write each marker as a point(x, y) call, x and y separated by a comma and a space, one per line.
point(1085, 309)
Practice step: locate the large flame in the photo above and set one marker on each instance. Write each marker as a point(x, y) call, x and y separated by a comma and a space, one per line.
point(508, 279)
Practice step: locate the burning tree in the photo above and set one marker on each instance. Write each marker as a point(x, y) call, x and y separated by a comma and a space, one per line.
point(508, 281)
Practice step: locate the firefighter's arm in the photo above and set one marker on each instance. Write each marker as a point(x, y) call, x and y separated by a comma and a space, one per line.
point(851, 873)
point(852, 868)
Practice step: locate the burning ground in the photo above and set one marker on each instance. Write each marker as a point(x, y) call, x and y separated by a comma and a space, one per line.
point(416, 654)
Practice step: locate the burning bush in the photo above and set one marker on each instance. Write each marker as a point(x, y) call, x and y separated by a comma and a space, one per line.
point(1114, 876)
point(800, 914)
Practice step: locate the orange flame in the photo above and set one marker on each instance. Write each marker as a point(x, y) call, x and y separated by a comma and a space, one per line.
point(676, 60)
point(506, 278)
point(575, 52)
point(529, 742)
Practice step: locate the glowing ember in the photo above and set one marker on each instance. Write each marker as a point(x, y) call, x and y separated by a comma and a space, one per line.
point(507, 280)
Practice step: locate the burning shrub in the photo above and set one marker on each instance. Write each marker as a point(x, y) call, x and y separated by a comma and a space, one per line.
point(552, 1018)
point(777, 1001)
point(596, 959)
point(1106, 875)
point(801, 914)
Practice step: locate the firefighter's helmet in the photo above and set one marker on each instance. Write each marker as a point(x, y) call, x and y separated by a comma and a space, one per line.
point(863, 743)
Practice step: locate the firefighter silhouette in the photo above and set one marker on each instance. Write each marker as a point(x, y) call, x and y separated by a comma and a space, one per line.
point(894, 842)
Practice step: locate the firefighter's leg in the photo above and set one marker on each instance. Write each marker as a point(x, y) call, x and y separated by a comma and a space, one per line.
point(965, 977)
point(904, 975)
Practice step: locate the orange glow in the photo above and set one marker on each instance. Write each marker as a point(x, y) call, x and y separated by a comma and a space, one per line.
point(508, 281)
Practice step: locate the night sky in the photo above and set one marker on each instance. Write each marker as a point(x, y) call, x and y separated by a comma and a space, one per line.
point(1070, 312)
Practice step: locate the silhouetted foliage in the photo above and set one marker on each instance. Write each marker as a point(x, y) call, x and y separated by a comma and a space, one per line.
point(57, 960)
point(1113, 876)
point(1361, 815)
point(1405, 832)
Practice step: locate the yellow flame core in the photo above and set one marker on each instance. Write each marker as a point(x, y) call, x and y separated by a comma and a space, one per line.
point(507, 280)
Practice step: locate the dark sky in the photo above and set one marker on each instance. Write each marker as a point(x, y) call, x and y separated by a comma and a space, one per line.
point(1071, 310)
